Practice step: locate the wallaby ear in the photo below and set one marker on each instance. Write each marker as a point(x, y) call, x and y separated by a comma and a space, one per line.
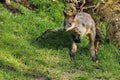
point(74, 15)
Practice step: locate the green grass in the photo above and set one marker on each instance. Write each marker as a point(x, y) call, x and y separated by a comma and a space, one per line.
point(22, 57)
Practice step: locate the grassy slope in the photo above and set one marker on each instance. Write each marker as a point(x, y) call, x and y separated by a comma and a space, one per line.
point(24, 58)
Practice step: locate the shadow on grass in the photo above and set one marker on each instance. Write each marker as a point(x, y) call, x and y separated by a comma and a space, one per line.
point(53, 40)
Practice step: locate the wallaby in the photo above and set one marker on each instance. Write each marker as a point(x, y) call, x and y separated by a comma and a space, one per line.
point(80, 24)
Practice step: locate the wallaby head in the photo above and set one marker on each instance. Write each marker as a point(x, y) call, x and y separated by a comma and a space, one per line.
point(69, 21)
point(75, 24)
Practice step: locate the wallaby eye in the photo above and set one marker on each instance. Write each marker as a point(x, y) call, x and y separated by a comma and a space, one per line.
point(83, 24)
point(70, 24)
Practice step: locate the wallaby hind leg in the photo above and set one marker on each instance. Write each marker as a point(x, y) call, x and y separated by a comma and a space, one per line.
point(73, 49)
point(96, 45)
point(27, 4)
point(92, 47)
point(11, 8)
